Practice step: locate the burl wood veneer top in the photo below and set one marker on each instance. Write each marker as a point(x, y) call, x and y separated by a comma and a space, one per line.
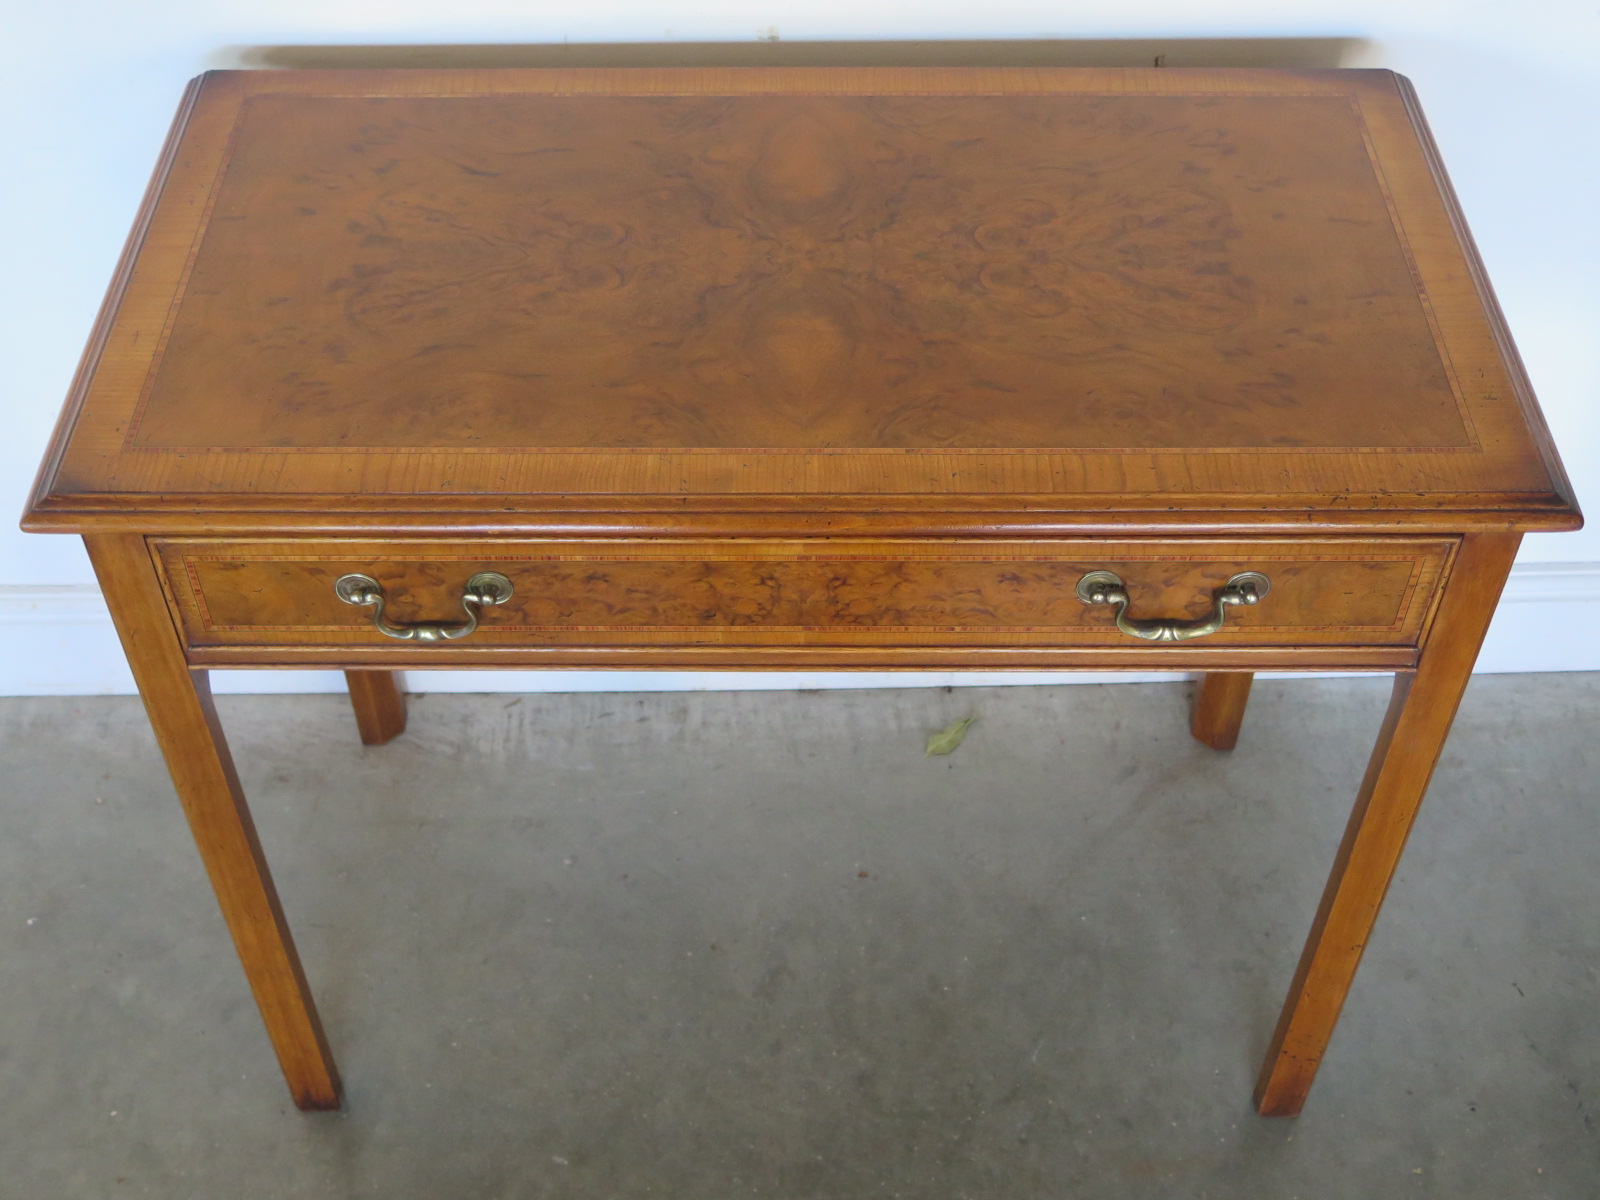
point(1064, 289)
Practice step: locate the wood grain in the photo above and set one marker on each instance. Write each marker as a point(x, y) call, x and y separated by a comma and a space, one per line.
point(838, 591)
point(379, 704)
point(178, 702)
point(1409, 744)
point(1219, 705)
point(1160, 291)
point(799, 271)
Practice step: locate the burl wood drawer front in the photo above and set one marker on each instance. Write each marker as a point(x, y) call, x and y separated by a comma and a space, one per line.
point(1339, 592)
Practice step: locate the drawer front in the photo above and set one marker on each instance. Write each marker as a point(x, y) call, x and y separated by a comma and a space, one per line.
point(674, 593)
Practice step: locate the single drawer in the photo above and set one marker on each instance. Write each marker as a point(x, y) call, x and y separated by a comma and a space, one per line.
point(1374, 592)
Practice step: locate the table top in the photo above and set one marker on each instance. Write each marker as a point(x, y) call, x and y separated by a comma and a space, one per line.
point(505, 297)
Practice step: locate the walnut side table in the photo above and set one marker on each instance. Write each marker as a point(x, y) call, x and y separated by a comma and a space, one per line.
point(822, 368)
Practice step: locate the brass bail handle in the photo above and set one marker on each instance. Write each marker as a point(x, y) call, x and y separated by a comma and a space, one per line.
point(483, 589)
point(1105, 587)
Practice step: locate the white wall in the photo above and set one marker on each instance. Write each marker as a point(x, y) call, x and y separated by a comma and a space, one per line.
point(87, 88)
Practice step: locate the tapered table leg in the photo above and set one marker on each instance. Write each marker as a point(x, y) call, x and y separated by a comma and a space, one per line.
point(1219, 708)
point(379, 703)
point(1413, 733)
point(186, 726)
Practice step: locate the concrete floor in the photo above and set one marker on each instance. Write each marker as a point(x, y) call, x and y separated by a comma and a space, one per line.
point(713, 945)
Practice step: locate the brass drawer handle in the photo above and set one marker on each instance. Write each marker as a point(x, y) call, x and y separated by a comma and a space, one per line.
point(1105, 587)
point(484, 588)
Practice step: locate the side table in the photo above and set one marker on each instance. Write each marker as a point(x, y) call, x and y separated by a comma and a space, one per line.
point(817, 368)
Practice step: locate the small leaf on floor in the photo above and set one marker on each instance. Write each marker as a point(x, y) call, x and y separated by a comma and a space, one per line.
point(948, 738)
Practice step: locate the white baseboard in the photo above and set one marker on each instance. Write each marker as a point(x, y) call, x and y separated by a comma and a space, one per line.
point(59, 642)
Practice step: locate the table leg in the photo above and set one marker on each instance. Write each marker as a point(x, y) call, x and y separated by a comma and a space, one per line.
point(185, 722)
point(379, 703)
point(1219, 707)
point(1413, 734)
